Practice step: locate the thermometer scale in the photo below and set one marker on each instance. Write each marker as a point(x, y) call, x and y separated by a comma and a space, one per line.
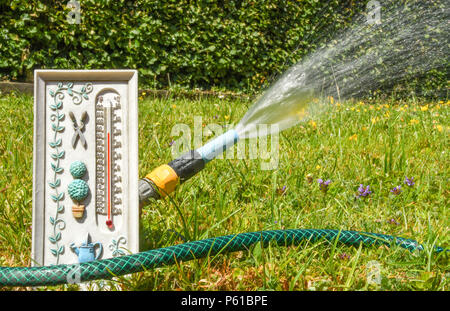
point(108, 155)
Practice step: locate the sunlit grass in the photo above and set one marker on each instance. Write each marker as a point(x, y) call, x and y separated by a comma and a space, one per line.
point(377, 143)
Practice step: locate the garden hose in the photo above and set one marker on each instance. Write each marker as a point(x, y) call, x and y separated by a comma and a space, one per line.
point(117, 266)
point(164, 179)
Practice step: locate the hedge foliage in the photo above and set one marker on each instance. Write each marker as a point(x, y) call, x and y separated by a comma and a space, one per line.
point(232, 44)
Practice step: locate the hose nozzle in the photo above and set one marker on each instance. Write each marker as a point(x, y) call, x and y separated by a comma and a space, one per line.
point(164, 179)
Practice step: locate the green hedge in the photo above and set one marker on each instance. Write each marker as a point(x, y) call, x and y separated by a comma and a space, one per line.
point(236, 45)
point(224, 44)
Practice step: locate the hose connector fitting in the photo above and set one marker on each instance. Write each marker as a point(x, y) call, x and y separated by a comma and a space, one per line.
point(164, 179)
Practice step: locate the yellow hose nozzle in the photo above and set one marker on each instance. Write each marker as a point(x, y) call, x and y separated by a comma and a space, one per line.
point(165, 178)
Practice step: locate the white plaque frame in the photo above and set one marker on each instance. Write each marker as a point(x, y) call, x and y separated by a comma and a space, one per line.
point(124, 237)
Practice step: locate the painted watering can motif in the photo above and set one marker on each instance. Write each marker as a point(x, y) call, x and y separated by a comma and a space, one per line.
point(86, 252)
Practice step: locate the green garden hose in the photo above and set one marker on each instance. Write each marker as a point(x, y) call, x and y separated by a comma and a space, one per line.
point(108, 268)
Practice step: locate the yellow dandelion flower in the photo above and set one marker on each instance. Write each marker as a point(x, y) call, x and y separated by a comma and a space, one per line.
point(313, 123)
point(174, 106)
point(353, 137)
point(318, 167)
point(424, 108)
point(414, 121)
point(227, 117)
point(439, 128)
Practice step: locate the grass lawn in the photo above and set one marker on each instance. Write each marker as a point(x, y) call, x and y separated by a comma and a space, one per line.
point(372, 143)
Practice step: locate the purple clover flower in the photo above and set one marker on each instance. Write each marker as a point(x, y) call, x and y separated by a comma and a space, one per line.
point(397, 190)
point(323, 185)
point(282, 191)
point(363, 192)
point(392, 221)
point(409, 181)
point(344, 256)
point(171, 143)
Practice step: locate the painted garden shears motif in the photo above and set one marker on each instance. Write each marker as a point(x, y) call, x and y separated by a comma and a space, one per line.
point(78, 129)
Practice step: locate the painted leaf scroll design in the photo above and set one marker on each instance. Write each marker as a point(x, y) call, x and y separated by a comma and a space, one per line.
point(56, 118)
point(115, 246)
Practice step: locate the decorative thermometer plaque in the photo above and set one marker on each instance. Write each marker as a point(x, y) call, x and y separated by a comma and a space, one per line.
point(85, 174)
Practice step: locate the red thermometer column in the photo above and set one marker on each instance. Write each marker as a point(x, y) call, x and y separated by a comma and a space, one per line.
point(108, 159)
